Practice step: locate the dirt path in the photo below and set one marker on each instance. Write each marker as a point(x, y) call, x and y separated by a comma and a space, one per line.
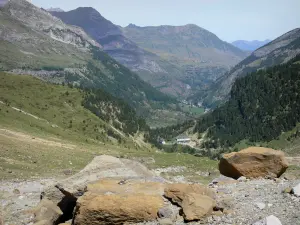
point(31, 139)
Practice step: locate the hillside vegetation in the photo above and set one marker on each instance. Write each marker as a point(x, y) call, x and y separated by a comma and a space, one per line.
point(48, 129)
point(261, 107)
point(67, 111)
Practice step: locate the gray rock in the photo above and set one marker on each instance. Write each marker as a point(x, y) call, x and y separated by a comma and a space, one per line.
point(165, 212)
point(296, 190)
point(260, 205)
point(242, 179)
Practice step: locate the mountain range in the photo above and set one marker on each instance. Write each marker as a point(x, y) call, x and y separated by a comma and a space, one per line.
point(250, 45)
point(175, 60)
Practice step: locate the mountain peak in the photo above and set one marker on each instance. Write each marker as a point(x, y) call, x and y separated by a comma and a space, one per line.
point(131, 25)
point(55, 10)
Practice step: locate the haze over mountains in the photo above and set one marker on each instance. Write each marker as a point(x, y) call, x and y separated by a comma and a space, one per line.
point(250, 45)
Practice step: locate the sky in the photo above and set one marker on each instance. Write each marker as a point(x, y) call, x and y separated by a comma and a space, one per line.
point(230, 20)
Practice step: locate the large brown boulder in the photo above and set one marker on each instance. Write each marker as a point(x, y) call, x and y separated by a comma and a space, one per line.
point(101, 167)
point(117, 209)
point(196, 201)
point(253, 162)
point(111, 201)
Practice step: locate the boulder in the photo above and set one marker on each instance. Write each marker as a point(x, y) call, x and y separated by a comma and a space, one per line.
point(253, 162)
point(176, 192)
point(66, 193)
point(197, 206)
point(116, 209)
point(47, 213)
point(196, 201)
point(101, 167)
point(296, 190)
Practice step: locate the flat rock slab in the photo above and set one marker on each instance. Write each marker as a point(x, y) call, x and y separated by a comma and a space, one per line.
point(117, 209)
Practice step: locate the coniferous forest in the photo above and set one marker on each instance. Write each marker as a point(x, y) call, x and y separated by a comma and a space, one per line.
point(262, 105)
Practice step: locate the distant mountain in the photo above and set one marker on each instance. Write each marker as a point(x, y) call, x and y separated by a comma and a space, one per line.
point(250, 45)
point(149, 66)
point(55, 10)
point(34, 42)
point(199, 53)
point(279, 51)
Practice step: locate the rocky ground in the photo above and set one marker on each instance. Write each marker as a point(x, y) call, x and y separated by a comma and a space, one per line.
point(238, 202)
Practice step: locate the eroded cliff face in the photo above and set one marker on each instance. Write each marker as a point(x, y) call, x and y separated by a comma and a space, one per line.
point(42, 21)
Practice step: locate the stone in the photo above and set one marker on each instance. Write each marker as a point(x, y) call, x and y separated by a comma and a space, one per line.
point(197, 206)
point(296, 190)
point(253, 162)
point(16, 191)
point(101, 167)
point(166, 212)
point(242, 179)
point(196, 201)
point(47, 211)
point(260, 205)
point(289, 177)
point(66, 193)
point(176, 192)
point(288, 190)
point(270, 220)
point(225, 203)
point(97, 209)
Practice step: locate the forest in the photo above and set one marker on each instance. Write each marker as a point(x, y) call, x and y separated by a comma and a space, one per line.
point(262, 105)
point(114, 111)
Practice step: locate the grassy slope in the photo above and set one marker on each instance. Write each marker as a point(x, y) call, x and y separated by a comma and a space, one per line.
point(32, 147)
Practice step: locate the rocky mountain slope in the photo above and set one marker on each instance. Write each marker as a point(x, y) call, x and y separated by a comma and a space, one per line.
point(200, 53)
point(250, 45)
point(32, 41)
point(149, 66)
point(279, 51)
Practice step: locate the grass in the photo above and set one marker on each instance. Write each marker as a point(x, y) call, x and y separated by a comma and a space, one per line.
point(291, 146)
point(47, 143)
point(195, 111)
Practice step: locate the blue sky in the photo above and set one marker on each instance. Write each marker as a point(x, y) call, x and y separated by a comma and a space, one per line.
point(229, 19)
